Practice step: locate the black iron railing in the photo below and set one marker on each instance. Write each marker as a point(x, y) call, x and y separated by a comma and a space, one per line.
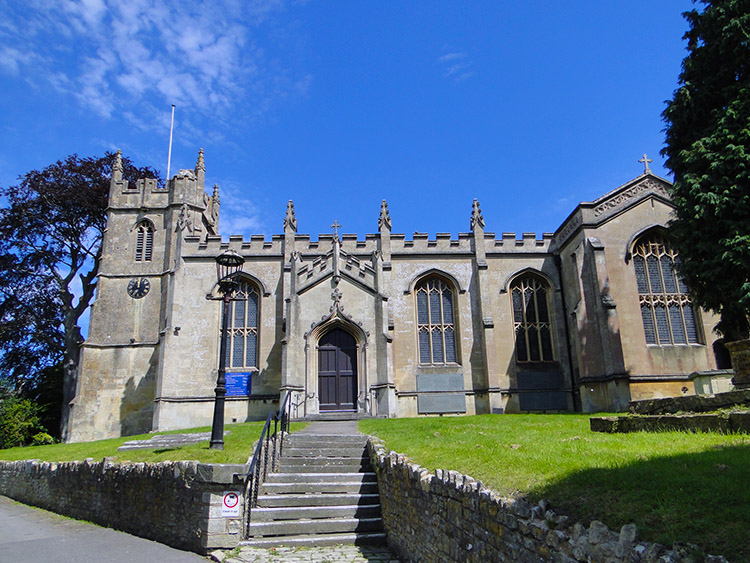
point(268, 451)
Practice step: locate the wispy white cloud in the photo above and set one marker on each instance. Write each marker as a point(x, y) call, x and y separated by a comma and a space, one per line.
point(239, 214)
point(456, 65)
point(113, 56)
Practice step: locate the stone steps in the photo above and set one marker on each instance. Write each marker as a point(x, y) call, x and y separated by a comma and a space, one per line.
point(315, 526)
point(324, 493)
point(354, 451)
point(313, 512)
point(312, 488)
point(347, 477)
point(317, 499)
point(355, 538)
point(319, 440)
point(322, 465)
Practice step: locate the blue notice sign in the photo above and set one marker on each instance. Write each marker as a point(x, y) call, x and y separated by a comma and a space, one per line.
point(238, 383)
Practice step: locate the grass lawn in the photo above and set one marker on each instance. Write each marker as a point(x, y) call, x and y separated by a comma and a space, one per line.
point(237, 448)
point(674, 486)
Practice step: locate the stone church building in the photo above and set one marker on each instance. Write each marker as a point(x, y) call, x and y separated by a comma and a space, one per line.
point(583, 319)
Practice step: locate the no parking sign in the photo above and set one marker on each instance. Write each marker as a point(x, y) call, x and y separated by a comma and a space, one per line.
point(230, 504)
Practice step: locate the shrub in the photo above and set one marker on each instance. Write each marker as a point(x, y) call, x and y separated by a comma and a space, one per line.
point(42, 439)
point(19, 421)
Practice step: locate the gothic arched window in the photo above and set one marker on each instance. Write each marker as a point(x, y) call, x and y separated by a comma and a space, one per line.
point(436, 329)
point(667, 312)
point(144, 241)
point(242, 344)
point(531, 319)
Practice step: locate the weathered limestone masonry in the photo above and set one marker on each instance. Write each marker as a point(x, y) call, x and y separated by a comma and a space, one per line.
point(389, 324)
point(691, 403)
point(689, 414)
point(176, 503)
point(726, 423)
point(451, 517)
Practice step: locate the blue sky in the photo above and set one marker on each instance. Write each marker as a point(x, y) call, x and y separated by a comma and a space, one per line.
point(528, 106)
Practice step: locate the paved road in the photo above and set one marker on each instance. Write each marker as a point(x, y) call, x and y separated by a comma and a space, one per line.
point(32, 535)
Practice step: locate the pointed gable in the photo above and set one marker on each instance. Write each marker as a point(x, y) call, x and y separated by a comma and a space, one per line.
point(595, 213)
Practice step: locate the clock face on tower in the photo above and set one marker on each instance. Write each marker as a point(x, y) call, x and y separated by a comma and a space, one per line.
point(138, 287)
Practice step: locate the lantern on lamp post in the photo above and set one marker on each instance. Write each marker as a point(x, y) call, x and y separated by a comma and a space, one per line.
point(228, 266)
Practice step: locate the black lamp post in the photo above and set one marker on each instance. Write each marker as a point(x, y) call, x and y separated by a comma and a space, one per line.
point(228, 265)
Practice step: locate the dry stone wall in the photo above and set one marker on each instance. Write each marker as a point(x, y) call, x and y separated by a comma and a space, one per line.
point(691, 403)
point(447, 516)
point(726, 423)
point(176, 503)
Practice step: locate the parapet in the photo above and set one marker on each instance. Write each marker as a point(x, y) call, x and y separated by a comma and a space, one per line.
point(420, 243)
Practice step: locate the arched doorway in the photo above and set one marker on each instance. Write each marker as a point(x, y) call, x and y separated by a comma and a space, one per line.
point(337, 371)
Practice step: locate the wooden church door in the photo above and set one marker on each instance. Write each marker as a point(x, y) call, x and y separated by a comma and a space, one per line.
point(337, 371)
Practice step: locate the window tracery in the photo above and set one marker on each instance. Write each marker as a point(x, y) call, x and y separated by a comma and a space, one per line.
point(531, 319)
point(666, 309)
point(242, 344)
point(436, 330)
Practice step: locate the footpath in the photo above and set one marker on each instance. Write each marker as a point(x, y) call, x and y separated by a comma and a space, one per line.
point(33, 535)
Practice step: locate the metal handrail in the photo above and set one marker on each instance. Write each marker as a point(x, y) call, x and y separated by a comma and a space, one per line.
point(269, 443)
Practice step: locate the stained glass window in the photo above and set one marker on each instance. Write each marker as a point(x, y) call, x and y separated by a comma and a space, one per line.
point(435, 326)
point(531, 319)
point(242, 345)
point(666, 309)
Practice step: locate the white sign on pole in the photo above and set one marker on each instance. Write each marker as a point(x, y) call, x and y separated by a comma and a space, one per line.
point(230, 504)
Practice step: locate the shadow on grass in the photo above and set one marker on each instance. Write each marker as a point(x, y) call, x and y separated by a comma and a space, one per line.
point(701, 497)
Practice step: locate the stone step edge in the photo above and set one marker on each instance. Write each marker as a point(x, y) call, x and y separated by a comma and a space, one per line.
point(322, 460)
point(314, 496)
point(311, 521)
point(323, 475)
point(316, 539)
point(341, 507)
point(326, 437)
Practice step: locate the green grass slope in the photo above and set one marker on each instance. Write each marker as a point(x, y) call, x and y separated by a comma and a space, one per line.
point(673, 486)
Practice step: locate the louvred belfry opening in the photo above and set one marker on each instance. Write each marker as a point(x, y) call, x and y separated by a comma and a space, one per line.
point(144, 241)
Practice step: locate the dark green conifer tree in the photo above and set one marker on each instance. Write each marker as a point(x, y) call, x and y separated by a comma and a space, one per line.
point(708, 150)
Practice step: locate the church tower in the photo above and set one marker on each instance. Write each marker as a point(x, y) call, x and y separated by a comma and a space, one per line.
point(140, 254)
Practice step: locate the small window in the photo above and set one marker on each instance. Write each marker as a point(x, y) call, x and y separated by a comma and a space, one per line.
point(242, 344)
point(436, 329)
point(531, 319)
point(666, 309)
point(144, 241)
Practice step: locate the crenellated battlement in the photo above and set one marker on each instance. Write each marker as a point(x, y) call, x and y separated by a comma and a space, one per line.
point(182, 202)
point(351, 244)
point(143, 193)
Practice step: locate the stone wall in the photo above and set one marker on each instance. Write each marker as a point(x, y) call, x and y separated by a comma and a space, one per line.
point(726, 423)
point(176, 503)
point(691, 403)
point(447, 516)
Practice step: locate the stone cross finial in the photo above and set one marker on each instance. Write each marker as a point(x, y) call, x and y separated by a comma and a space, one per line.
point(384, 221)
point(476, 215)
point(200, 164)
point(117, 165)
point(645, 160)
point(336, 228)
point(290, 221)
